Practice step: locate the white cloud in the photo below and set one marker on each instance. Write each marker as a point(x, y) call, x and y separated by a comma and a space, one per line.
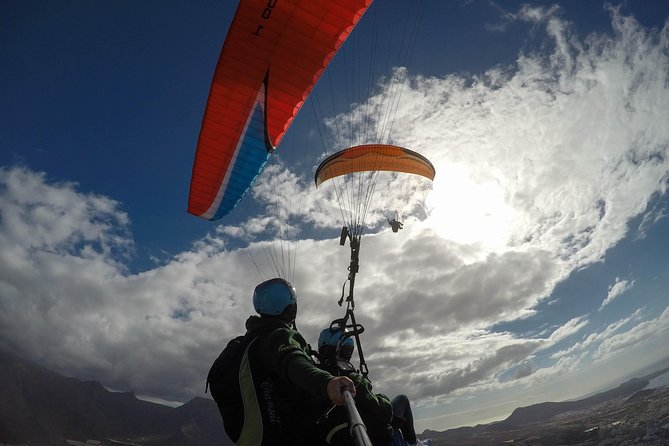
point(593, 339)
point(571, 327)
point(535, 14)
point(644, 331)
point(615, 290)
point(652, 216)
point(53, 218)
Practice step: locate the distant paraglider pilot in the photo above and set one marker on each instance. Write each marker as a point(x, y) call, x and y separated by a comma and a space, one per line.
point(395, 224)
point(262, 380)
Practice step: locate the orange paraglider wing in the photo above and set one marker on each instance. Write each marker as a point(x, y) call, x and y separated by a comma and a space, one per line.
point(274, 53)
point(374, 157)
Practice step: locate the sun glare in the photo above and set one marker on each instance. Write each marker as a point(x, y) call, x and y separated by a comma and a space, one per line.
point(465, 211)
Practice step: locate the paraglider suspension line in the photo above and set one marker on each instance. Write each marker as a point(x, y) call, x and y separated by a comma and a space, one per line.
point(356, 328)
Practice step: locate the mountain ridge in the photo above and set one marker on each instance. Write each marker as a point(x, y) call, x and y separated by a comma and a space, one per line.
point(40, 406)
point(535, 414)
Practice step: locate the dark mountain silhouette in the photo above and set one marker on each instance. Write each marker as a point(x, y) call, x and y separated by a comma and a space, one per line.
point(43, 407)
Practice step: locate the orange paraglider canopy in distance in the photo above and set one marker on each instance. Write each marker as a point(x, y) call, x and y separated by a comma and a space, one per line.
point(273, 55)
point(374, 157)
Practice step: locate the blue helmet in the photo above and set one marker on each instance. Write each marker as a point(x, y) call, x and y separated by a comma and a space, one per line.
point(333, 337)
point(273, 296)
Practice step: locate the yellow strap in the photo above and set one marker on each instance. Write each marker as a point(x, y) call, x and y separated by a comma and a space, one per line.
point(334, 430)
point(252, 430)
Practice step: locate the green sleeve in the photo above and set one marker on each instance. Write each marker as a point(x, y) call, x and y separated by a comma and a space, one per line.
point(372, 404)
point(285, 353)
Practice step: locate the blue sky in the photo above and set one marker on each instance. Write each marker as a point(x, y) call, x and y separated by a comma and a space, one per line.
point(534, 270)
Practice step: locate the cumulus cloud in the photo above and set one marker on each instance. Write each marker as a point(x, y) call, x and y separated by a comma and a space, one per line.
point(53, 218)
point(67, 300)
point(556, 155)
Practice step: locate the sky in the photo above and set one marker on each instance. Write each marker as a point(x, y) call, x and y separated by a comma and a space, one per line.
point(532, 269)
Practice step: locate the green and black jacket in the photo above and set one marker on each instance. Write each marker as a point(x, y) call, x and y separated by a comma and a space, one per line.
point(280, 384)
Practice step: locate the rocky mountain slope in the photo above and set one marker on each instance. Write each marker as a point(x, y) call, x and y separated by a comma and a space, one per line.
point(38, 406)
point(630, 414)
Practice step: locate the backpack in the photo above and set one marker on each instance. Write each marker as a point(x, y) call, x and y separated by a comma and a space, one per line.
point(223, 381)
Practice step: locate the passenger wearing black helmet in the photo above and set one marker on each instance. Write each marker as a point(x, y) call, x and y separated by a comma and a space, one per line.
point(278, 380)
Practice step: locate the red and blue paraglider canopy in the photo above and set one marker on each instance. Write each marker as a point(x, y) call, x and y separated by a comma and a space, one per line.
point(274, 53)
